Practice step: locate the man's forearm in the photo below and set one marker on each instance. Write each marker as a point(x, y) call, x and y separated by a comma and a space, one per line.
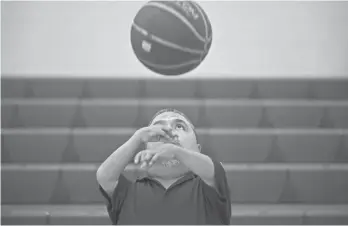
point(200, 164)
point(110, 170)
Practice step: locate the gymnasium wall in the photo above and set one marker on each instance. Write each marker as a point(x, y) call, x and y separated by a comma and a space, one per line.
point(250, 39)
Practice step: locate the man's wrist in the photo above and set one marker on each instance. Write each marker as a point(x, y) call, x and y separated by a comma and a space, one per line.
point(179, 153)
point(135, 141)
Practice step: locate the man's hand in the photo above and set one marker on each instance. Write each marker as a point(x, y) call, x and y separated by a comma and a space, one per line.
point(152, 134)
point(163, 152)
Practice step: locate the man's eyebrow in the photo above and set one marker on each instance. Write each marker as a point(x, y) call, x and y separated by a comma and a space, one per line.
point(176, 120)
point(182, 121)
point(159, 122)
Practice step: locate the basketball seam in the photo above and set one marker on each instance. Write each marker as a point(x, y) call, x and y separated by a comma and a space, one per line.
point(204, 20)
point(165, 42)
point(177, 15)
point(161, 66)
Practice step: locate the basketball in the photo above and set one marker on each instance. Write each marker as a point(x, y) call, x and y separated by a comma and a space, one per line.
point(171, 37)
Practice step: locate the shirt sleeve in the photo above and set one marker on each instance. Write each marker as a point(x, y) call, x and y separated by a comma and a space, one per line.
point(115, 202)
point(218, 201)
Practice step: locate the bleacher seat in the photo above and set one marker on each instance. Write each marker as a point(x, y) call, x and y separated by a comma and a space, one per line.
point(241, 214)
point(331, 90)
point(226, 89)
point(232, 114)
point(25, 185)
point(310, 147)
point(55, 215)
point(339, 116)
point(249, 183)
point(106, 88)
point(43, 114)
point(283, 89)
point(322, 184)
point(25, 217)
point(13, 88)
point(150, 107)
point(94, 215)
point(294, 116)
point(95, 145)
point(81, 185)
point(345, 147)
point(237, 146)
point(56, 88)
point(163, 88)
point(62, 146)
point(324, 215)
point(110, 114)
point(255, 184)
point(7, 115)
point(203, 113)
point(189, 88)
point(33, 146)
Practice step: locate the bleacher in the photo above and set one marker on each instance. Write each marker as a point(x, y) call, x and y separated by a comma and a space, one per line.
point(283, 143)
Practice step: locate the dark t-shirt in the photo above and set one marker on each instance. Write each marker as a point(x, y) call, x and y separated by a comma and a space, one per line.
point(188, 201)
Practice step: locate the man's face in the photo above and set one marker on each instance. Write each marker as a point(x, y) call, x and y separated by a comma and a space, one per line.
point(180, 128)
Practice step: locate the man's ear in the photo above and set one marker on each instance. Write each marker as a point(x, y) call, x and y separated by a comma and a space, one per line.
point(199, 147)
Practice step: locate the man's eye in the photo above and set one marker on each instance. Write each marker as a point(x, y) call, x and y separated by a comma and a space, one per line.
point(179, 126)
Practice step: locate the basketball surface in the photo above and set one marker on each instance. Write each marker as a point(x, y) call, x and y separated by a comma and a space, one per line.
point(171, 37)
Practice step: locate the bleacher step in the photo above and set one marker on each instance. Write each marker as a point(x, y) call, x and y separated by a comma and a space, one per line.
point(241, 214)
point(36, 113)
point(97, 87)
point(249, 183)
point(62, 145)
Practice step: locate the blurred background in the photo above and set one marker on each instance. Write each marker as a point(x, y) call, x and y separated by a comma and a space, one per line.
point(270, 102)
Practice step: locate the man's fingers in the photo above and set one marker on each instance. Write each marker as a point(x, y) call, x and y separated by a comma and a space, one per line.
point(162, 127)
point(154, 159)
point(143, 156)
point(162, 131)
point(137, 158)
point(148, 156)
point(160, 134)
point(140, 157)
point(143, 164)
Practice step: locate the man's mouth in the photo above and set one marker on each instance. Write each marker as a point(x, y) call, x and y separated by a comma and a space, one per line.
point(171, 141)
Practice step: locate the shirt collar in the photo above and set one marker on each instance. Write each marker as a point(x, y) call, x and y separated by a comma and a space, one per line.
point(188, 176)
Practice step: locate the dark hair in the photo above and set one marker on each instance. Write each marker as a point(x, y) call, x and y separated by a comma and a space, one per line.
point(175, 111)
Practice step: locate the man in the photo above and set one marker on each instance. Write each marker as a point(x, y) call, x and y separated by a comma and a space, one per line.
point(183, 185)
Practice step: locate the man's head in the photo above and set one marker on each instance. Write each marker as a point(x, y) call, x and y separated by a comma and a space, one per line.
point(179, 126)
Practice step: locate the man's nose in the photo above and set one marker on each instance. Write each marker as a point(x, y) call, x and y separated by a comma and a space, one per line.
point(170, 131)
point(174, 134)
